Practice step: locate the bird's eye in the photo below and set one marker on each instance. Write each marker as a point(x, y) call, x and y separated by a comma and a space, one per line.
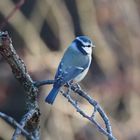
point(88, 45)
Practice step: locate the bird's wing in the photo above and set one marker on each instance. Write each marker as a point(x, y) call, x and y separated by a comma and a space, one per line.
point(70, 73)
point(71, 65)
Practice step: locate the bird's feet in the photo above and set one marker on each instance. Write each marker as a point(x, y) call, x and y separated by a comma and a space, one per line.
point(74, 86)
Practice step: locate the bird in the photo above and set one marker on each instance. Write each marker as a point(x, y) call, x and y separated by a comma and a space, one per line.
point(73, 66)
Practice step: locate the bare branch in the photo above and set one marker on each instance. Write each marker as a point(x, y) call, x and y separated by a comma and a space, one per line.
point(97, 107)
point(23, 122)
point(94, 103)
point(13, 122)
point(21, 74)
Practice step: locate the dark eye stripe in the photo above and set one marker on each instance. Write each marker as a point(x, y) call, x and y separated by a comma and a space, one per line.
point(82, 44)
point(79, 45)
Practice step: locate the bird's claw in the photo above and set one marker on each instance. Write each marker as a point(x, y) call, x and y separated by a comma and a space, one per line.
point(76, 86)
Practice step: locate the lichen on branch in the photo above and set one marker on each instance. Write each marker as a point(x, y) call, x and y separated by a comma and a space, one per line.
point(21, 74)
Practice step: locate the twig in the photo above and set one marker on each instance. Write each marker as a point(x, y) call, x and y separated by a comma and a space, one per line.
point(42, 83)
point(21, 74)
point(23, 122)
point(13, 122)
point(97, 107)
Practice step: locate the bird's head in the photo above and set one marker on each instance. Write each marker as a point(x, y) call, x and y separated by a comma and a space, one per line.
point(84, 44)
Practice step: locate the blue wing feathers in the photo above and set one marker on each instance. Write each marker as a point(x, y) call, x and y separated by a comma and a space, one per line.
point(72, 73)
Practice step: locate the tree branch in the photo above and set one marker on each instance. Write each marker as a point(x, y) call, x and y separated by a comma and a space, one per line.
point(23, 122)
point(21, 74)
point(13, 122)
point(94, 103)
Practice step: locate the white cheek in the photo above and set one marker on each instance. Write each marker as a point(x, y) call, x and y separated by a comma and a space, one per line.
point(88, 49)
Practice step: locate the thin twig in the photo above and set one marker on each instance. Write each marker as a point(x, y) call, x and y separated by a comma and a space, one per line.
point(23, 122)
point(76, 106)
point(108, 131)
point(42, 83)
point(94, 103)
point(13, 122)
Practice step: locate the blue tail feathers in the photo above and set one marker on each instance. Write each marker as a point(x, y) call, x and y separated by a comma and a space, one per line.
point(52, 95)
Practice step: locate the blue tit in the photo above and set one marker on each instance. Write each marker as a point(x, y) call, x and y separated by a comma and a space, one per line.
point(73, 66)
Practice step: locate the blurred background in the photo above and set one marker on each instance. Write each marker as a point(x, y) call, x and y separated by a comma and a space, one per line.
point(41, 30)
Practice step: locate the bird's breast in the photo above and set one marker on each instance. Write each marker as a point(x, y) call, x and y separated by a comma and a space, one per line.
point(81, 76)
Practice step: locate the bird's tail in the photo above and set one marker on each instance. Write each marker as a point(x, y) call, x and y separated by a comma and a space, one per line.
point(52, 95)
